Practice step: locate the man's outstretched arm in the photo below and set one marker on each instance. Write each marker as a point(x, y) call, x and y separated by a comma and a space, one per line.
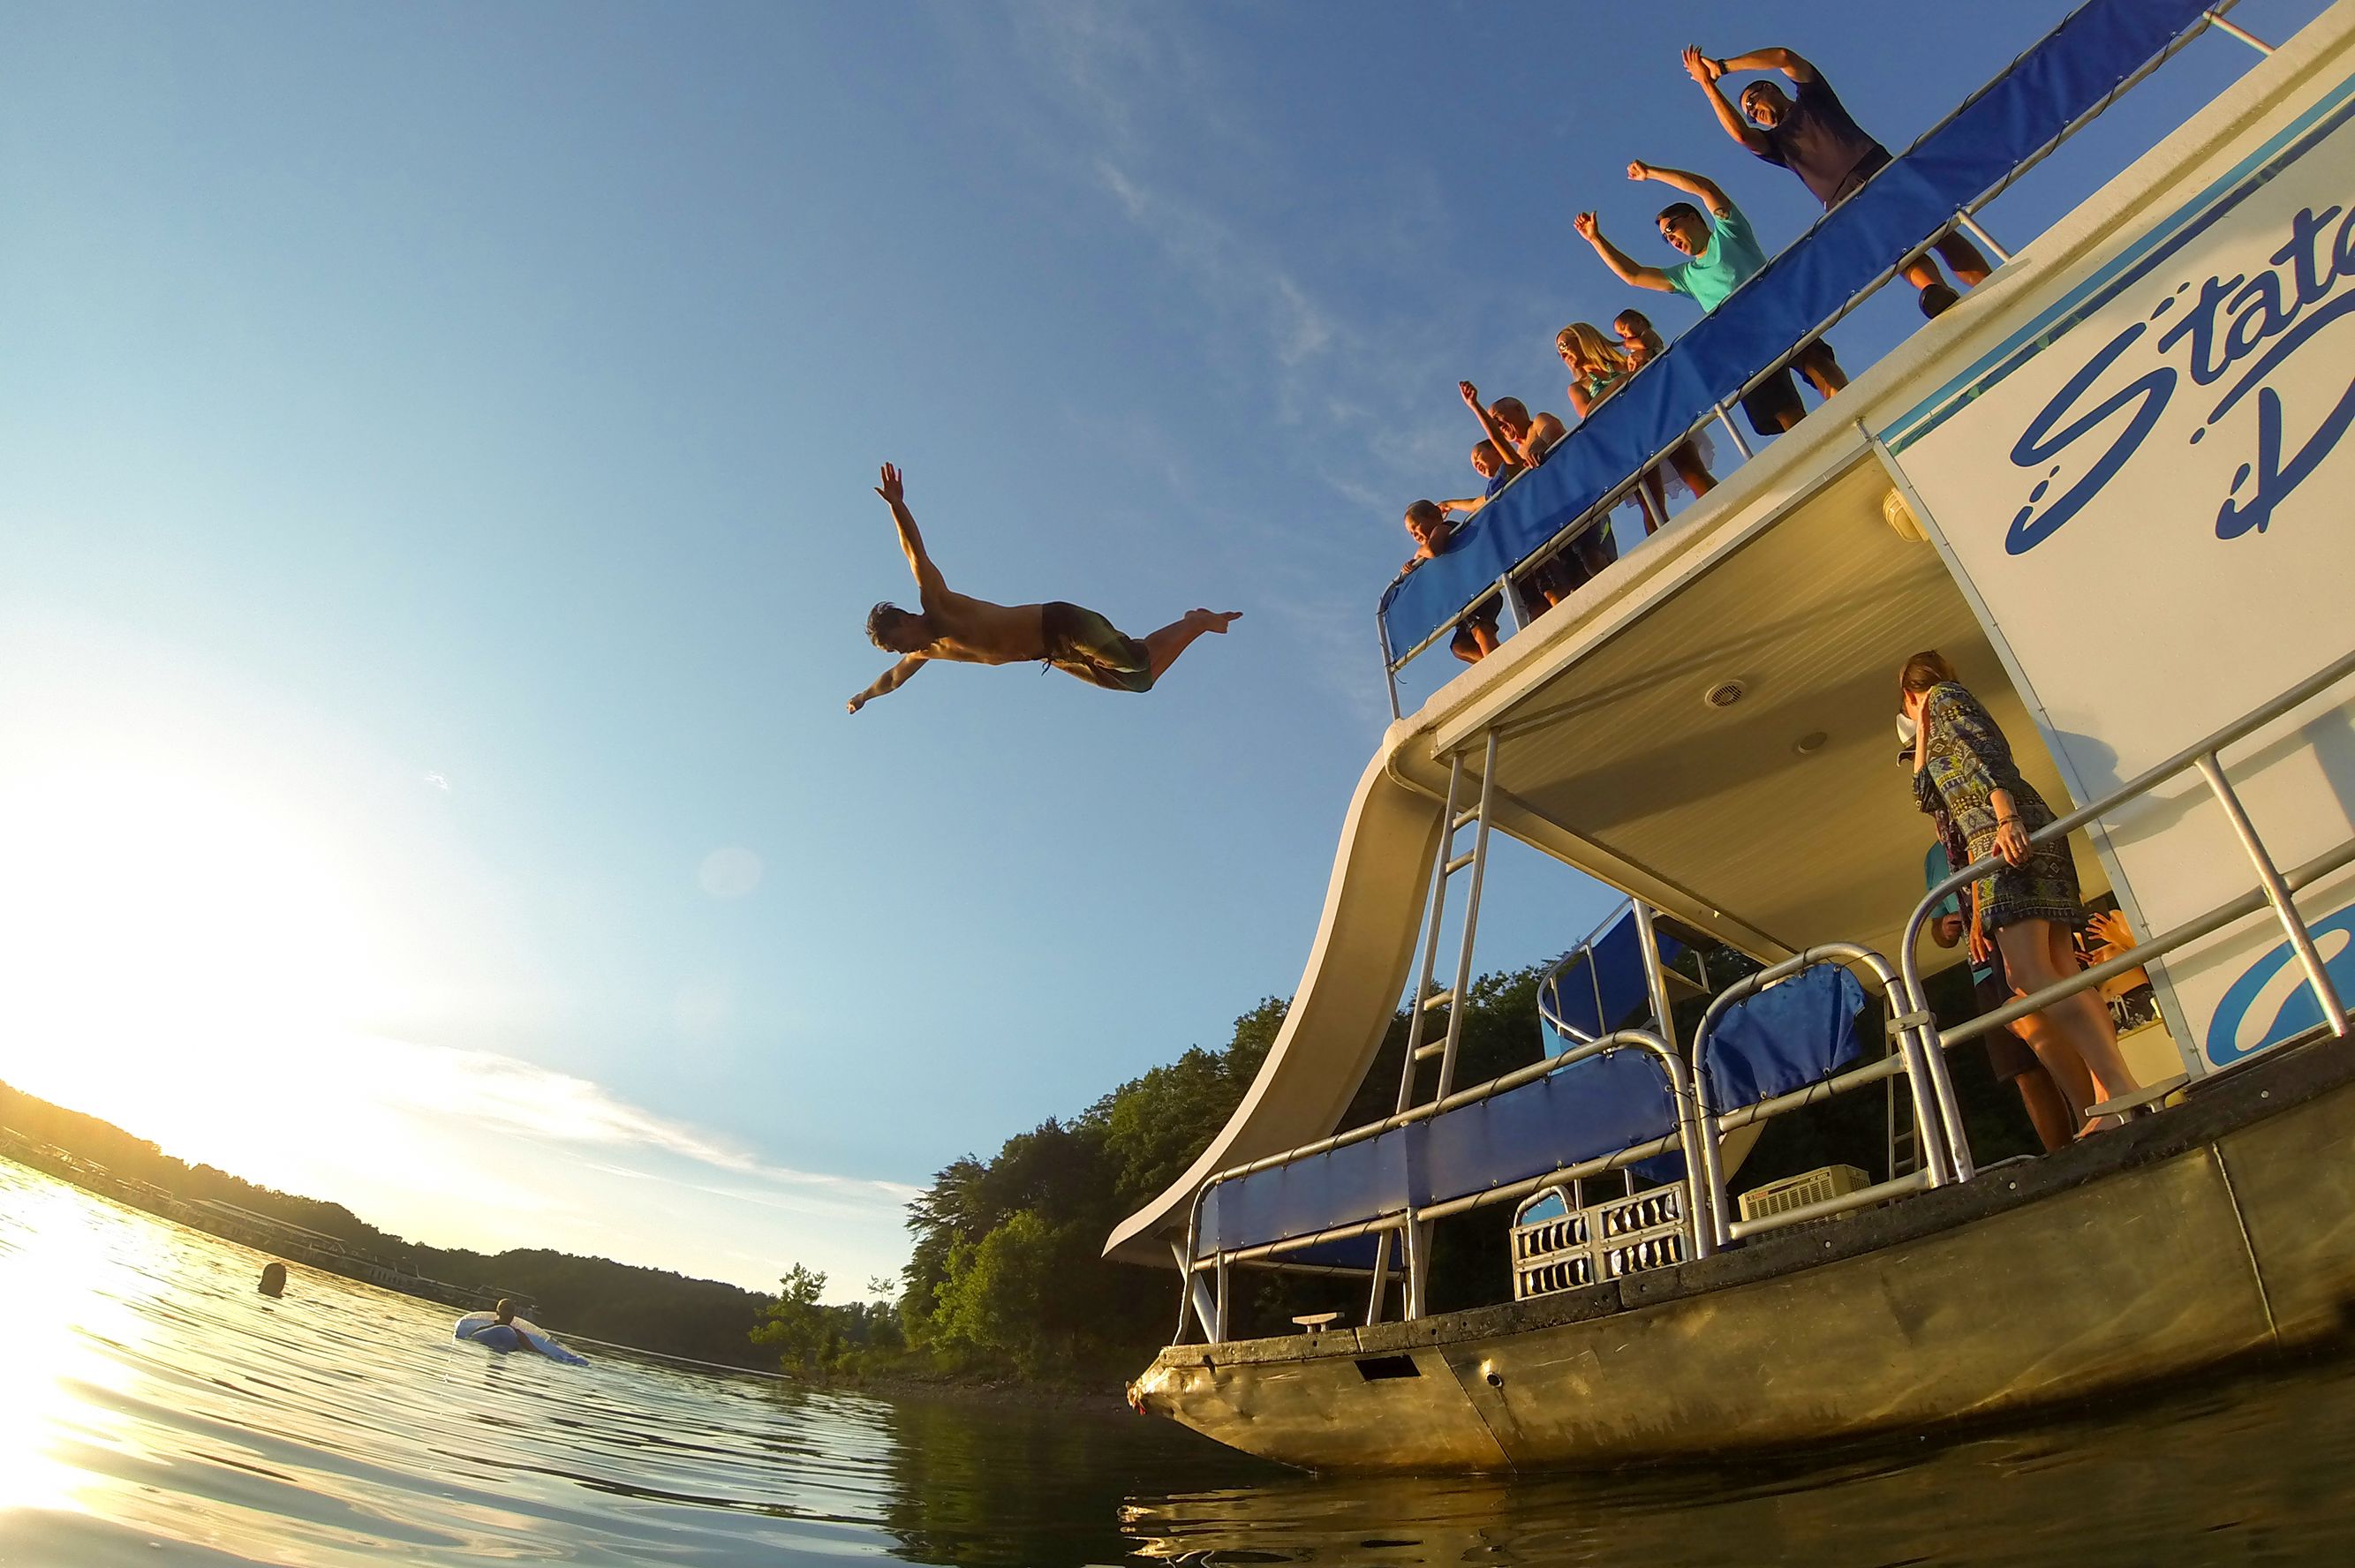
point(929, 587)
point(1630, 273)
point(1698, 186)
point(1784, 61)
point(1706, 71)
point(891, 680)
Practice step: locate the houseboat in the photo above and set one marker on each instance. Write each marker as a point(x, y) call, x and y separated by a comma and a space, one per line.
point(2106, 484)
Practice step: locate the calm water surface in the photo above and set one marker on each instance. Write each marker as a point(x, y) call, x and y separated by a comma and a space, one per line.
point(155, 1410)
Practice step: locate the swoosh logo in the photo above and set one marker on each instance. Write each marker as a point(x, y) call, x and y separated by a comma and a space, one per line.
point(2271, 1001)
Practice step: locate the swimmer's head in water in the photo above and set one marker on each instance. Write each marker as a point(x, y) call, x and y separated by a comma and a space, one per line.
point(894, 630)
point(273, 1279)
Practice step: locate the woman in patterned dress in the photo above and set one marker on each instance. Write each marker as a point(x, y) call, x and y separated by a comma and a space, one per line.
point(2029, 908)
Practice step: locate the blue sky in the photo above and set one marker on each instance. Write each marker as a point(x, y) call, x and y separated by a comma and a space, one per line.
point(435, 523)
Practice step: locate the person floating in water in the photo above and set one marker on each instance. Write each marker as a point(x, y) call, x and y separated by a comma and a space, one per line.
point(957, 626)
point(273, 1279)
point(504, 1315)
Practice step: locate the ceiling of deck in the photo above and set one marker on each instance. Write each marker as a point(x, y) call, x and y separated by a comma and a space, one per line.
point(1615, 763)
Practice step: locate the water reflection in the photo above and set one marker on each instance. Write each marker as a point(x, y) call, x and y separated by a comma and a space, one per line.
point(154, 1409)
point(982, 1483)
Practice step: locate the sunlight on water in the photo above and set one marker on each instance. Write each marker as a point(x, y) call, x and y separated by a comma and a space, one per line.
point(154, 1409)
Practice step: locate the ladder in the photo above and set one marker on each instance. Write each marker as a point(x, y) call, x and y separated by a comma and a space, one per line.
point(1904, 1137)
point(1445, 867)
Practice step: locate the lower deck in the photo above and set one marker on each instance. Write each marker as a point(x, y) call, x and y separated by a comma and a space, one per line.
point(2221, 1229)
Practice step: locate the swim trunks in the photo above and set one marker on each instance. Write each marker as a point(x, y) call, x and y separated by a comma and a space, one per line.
point(1081, 642)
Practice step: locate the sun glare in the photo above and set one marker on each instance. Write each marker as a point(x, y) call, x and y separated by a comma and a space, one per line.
point(175, 947)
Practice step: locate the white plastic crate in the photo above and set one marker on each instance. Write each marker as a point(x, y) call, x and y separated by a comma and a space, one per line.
point(1798, 1192)
point(1602, 1241)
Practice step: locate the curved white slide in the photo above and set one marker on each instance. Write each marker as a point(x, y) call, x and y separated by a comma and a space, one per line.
point(1357, 972)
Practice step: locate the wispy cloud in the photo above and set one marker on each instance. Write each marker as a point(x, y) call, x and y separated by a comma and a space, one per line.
point(500, 1096)
point(1129, 103)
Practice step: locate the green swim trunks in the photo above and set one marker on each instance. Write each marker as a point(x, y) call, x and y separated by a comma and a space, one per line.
point(1082, 642)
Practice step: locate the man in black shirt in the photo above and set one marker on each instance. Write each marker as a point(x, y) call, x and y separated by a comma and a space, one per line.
point(1813, 136)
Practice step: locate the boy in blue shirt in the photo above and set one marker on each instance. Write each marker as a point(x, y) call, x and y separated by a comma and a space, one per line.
point(1724, 255)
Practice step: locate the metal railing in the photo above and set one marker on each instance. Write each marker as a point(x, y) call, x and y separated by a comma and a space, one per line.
point(1412, 1223)
point(1924, 1071)
point(1719, 413)
point(2275, 887)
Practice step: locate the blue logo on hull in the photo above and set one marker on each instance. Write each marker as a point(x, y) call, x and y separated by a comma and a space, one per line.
point(2272, 1001)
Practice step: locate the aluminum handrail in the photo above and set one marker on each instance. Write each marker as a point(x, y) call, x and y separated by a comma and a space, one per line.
point(2274, 888)
point(1392, 661)
point(1679, 1088)
point(1924, 1070)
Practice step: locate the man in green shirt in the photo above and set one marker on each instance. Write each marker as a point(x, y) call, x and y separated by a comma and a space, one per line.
point(1724, 255)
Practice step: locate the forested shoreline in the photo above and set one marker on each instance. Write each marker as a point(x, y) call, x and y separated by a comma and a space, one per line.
point(1004, 1280)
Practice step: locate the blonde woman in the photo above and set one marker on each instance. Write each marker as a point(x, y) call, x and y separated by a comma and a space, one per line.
point(1600, 367)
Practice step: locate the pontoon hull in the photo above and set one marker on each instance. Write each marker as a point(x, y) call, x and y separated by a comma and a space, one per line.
point(2222, 1229)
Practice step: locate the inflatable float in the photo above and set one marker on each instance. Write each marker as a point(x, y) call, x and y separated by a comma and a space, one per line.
point(485, 1328)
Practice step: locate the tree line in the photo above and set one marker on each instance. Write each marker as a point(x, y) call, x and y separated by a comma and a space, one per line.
point(653, 1309)
point(1006, 1278)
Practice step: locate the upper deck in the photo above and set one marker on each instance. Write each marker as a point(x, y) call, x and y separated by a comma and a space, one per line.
point(1706, 723)
point(1925, 192)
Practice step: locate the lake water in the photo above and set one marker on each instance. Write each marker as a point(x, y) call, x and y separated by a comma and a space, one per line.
point(156, 1409)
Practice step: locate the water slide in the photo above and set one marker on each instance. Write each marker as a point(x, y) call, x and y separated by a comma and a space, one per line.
point(1355, 974)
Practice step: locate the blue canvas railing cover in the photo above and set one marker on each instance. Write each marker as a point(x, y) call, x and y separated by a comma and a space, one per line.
point(1790, 1035)
point(1602, 987)
point(1591, 1108)
point(2005, 124)
point(1786, 1036)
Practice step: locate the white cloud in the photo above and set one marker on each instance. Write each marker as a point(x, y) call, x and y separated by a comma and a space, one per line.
point(730, 873)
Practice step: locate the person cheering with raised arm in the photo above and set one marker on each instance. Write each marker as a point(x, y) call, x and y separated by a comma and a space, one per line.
point(965, 630)
point(1723, 255)
point(1523, 438)
point(1813, 137)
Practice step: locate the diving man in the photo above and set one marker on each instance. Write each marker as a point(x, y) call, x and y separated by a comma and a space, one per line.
point(957, 626)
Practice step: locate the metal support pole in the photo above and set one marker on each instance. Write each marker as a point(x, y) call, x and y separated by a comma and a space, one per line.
point(1416, 1011)
point(1701, 1191)
point(1196, 1295)
point(1479, 868)
point(1732, 428)
point(1653, 520)
point(1509, 604)
point(1218, 1337)
point(1418, 1262)
point(2217, 21)
point(1381, 1278)
point(1986, 240)
point(2277, 894)
point(1389, 665)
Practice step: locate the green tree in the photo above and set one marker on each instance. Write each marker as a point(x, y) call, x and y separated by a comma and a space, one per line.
point(797, 1325)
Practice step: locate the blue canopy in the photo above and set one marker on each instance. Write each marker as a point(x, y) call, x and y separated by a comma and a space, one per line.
point(2009, 122)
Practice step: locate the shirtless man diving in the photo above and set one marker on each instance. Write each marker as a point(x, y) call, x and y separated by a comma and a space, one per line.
point(953, 625)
